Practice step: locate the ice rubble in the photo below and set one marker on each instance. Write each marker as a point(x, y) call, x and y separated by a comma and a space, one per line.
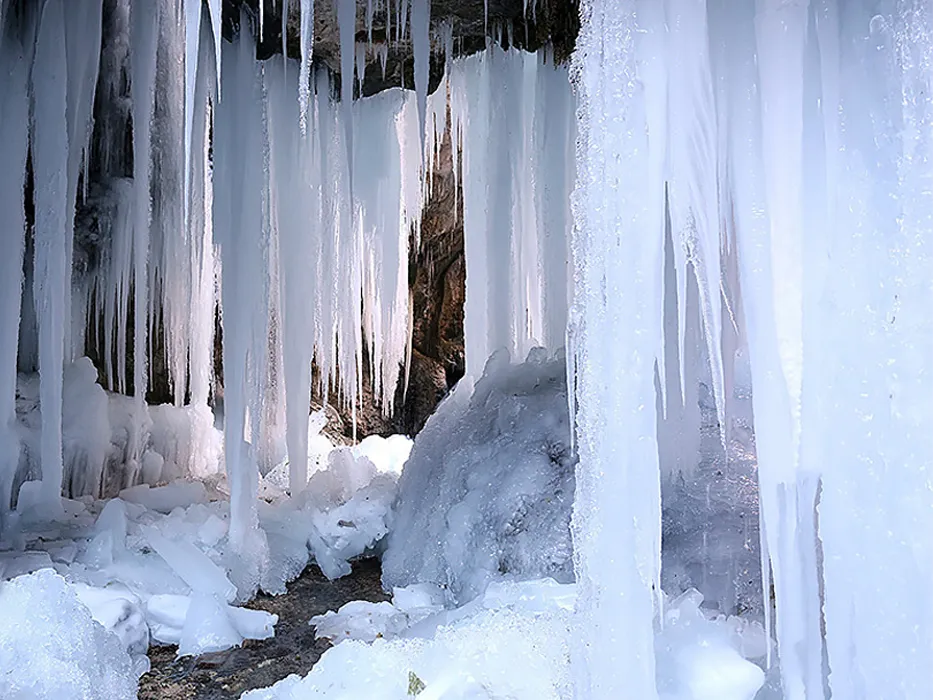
point(511, 642)
point(50, 647)
point(155, 563)
point(488, 488)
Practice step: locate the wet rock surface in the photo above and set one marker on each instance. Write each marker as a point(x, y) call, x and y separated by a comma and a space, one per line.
point(293, 649)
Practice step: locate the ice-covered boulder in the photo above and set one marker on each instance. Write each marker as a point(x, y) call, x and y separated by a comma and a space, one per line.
point(51, 647)
point(488, 489)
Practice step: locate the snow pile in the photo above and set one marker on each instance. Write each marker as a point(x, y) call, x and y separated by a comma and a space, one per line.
point(99, 430)
point(487, 491)
point(50, 647)
point(512, 642)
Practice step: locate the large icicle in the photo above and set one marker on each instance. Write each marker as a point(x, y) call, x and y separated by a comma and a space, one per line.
point(296, 220)
point(144, 34)
point(871, 295)
point(511, 116)
point(304, 74)
point(693, 186)
point(14, 143)
point(82, 46)
point(617, 510)
point(788, 490)
point(240, 198)
point(50, 271)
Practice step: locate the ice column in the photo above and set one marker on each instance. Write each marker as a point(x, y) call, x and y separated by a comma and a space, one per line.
point(873, 332)
point(240, 198)
point(14, 125)
point(617, 300)
point(51, 274)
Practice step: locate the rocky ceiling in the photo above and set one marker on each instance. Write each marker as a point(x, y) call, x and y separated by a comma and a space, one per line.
point(549, 22)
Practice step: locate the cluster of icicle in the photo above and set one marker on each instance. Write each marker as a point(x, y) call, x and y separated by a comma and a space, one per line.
point(159, 264)
point(795, 140)
point(254, 190)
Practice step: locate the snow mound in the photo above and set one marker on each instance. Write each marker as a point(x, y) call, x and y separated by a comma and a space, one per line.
point(491, 653)
point(50, 646)
point(488, 489)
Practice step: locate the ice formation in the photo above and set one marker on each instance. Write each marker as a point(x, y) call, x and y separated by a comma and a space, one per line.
point(778, 151)
point(512, 118)
point(488, 488)
point(156, 564)
point(789, 145)
point(50, 647)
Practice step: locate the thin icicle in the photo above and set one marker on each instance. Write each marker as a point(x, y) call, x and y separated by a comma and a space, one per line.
point(421, 47)
point(346, 23)
point(145, 18)
point(304, 73)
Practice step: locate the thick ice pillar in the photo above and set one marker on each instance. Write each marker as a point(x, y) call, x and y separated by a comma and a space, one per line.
point(615, 336)
point(874, 322)
point(14, 143)
point(50, 160)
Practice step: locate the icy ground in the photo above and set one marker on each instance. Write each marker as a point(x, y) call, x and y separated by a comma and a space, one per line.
point(511, 642)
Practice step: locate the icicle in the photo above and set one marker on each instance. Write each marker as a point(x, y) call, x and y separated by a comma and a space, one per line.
point(50, 275)
point(14, 145)
point(240, 190)
point(82, 46)
point(346, 23)
point(616, 518)
point(200, 233)
point(304, 74)
point(192, 37)
point(421, 46)
point(262, 20)
point(515, 200)
point(285, 33)
point(360, 66)
point(216, 7)
point(693, 163)
point(145, 18)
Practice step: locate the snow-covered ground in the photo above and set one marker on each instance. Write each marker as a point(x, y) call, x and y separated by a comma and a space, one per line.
point(513, 641)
